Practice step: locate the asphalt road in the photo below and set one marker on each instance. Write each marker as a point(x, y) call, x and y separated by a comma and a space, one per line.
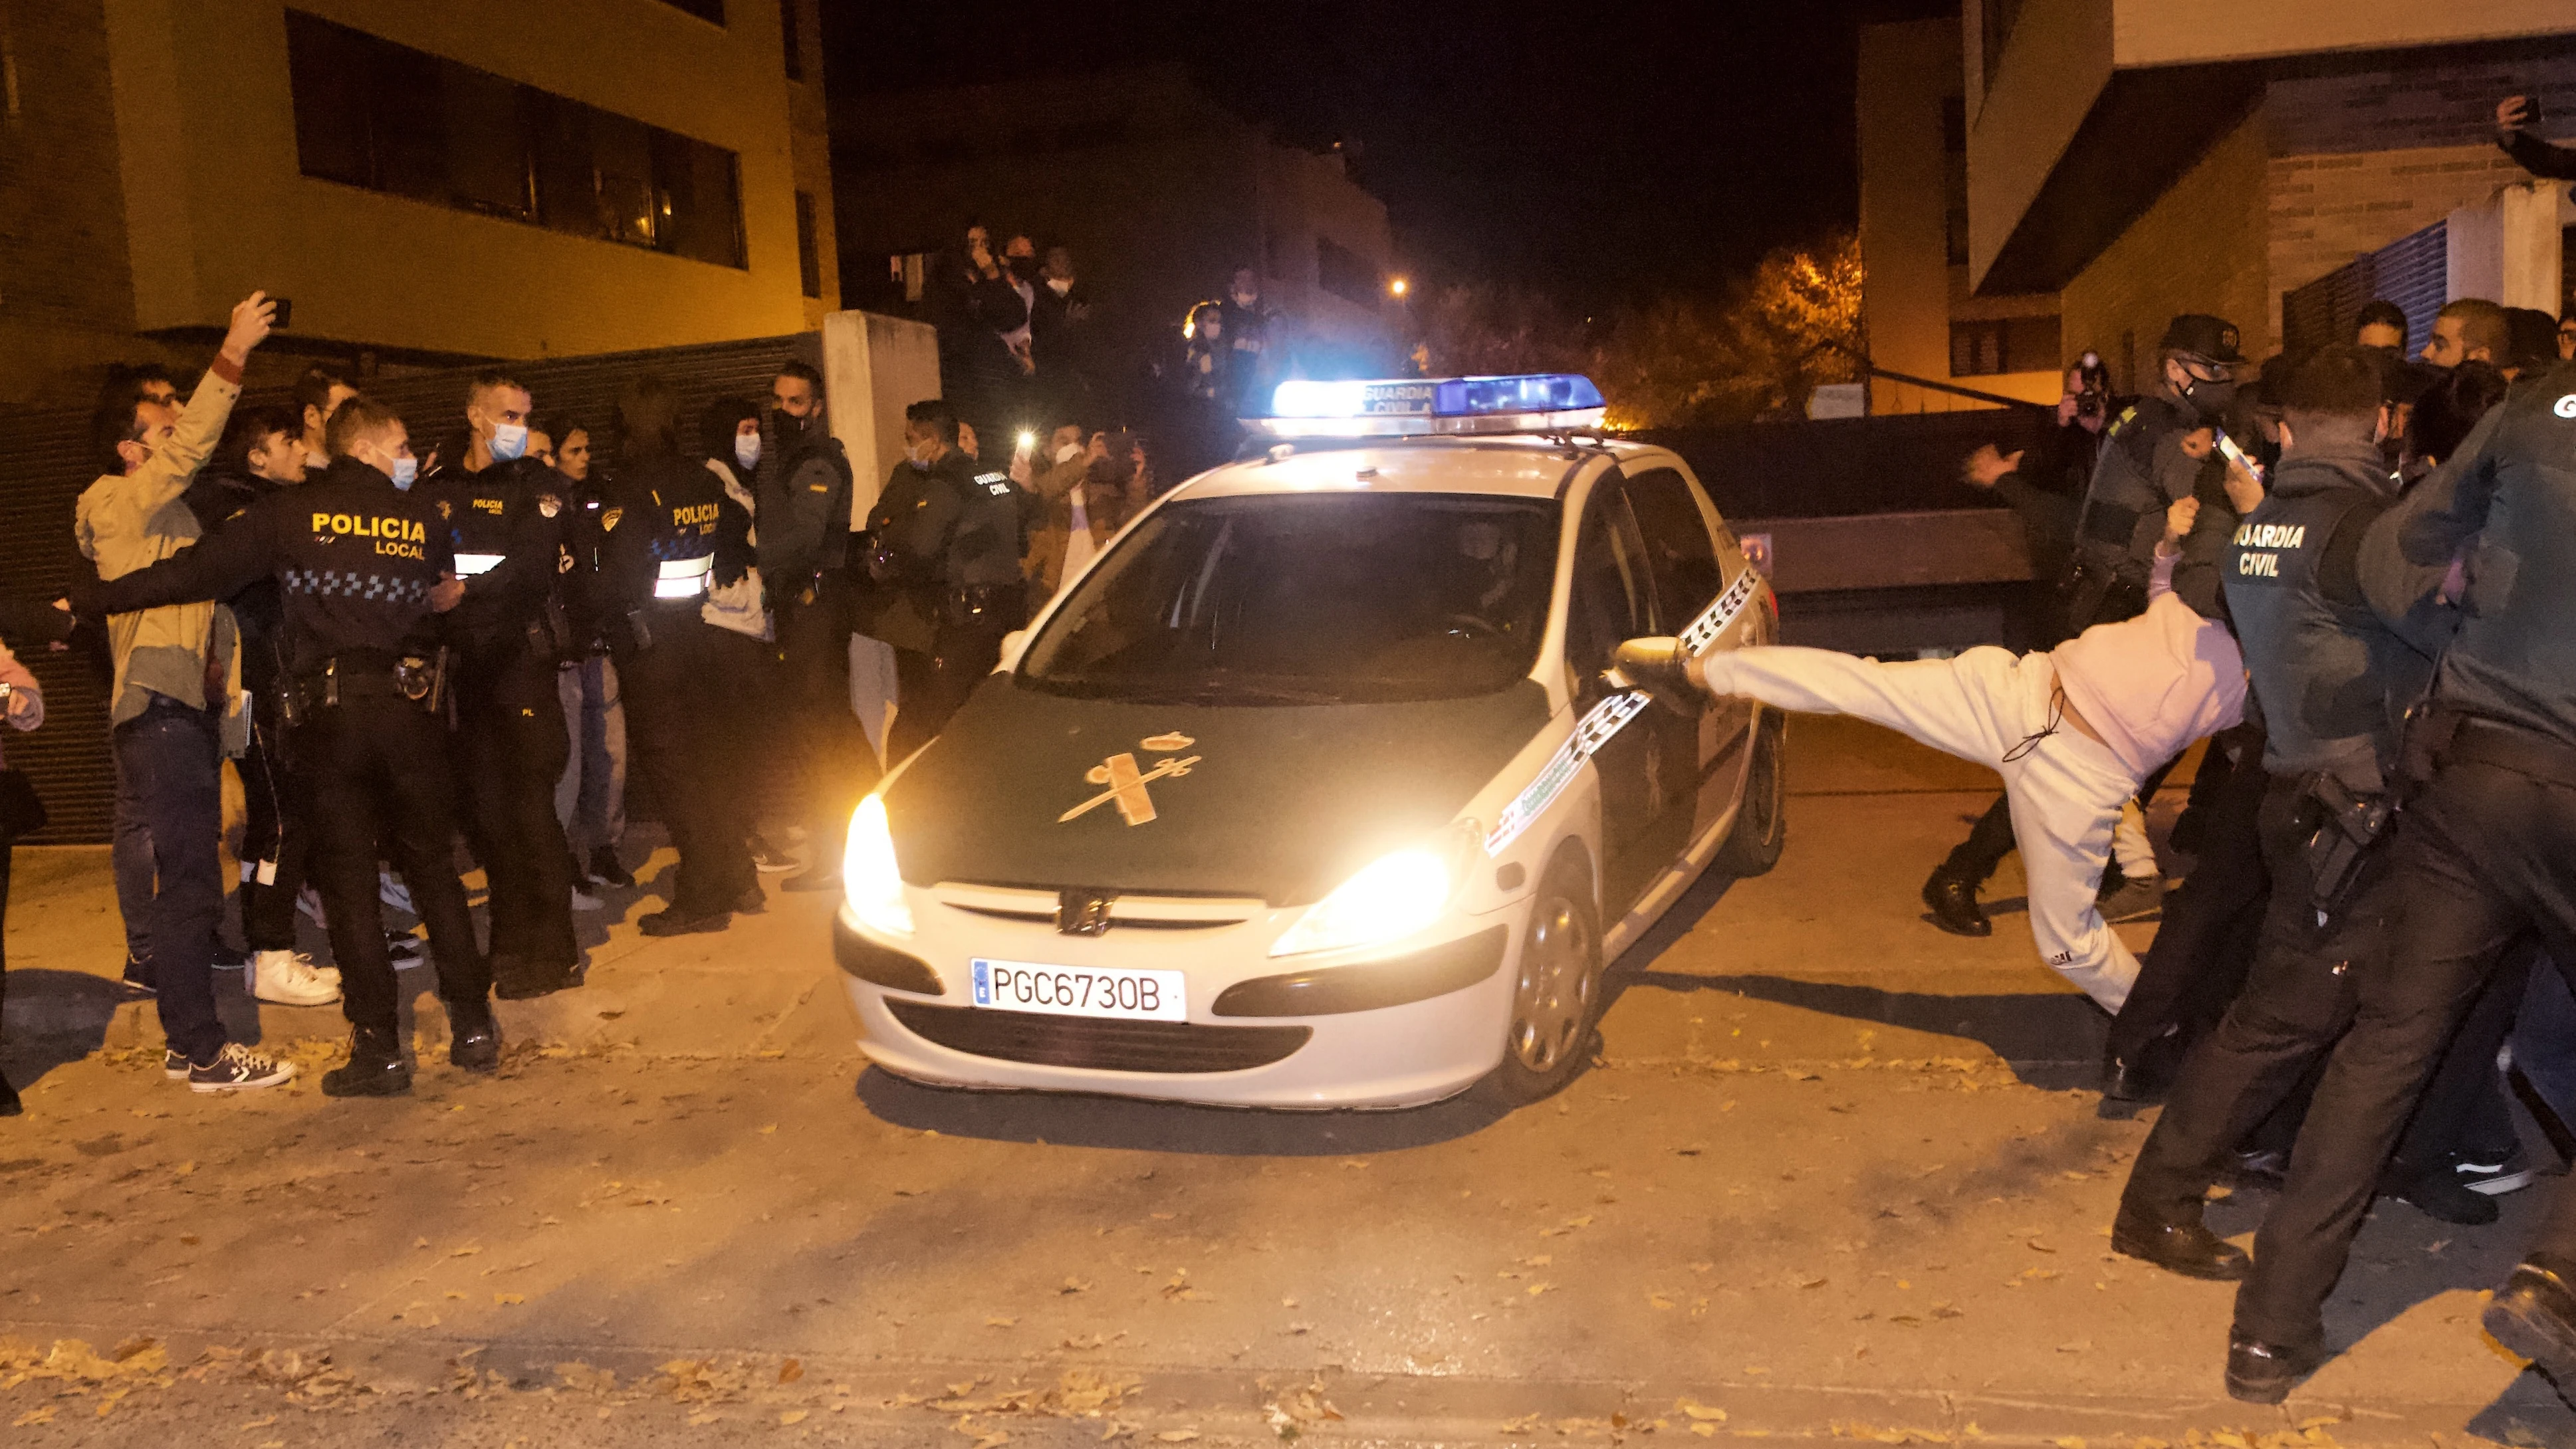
point(1834, 1175)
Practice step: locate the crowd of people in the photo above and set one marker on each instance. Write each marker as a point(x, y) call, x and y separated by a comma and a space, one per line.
point(2352, 573)
point(403, 644)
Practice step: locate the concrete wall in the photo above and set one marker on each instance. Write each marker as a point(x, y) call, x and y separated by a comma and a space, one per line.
point(2202, 247)
point(2183, 32)
point(1910, 293)
point(810, 154)
point(66, 291)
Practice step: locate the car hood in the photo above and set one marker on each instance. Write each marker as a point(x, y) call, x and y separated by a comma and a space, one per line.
point(1278, 802)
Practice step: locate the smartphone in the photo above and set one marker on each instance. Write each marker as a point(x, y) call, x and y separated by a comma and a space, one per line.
point(285, 313)
point(2239, 457)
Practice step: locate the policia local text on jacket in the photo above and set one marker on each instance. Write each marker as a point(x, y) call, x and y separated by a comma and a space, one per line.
point(507, 524)
point(355, 560)
point(947, 557)
point(656, 548)
point(2479, 856)
point(2331, 679)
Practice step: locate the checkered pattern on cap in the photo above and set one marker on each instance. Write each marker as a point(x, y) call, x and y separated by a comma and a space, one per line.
point(346, 583)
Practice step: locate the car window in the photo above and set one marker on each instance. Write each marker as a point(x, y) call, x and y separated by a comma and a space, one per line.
point(1610, 601)
point(1297, 599)
point(1678, 549)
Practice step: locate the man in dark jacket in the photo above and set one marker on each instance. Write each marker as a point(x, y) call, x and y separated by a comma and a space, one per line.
point(262, 452)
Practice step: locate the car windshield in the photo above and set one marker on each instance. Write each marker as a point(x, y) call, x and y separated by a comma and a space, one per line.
point(1309, 599)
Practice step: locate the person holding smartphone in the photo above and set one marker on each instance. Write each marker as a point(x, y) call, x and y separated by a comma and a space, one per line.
point(2517, 131)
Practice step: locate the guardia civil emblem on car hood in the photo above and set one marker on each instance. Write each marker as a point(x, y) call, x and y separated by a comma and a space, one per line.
point(1026, 787)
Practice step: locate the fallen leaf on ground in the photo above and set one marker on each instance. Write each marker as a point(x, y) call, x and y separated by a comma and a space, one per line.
point(506, 1299)
point(792, 1416)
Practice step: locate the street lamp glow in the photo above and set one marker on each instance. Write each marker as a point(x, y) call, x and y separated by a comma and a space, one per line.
point(1398, 287)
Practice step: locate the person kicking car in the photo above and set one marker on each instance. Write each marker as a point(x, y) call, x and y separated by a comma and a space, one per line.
point(2072, 730)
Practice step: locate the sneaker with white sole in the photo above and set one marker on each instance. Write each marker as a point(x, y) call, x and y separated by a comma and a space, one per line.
point(287, 978)
point(174, 1064)
point(405, 949)
point(2495, 1178)
point(239, 1069)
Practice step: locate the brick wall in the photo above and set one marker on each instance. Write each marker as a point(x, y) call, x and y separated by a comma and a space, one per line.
point(2325, 210)
point(2429, 102)
point(2200, 248)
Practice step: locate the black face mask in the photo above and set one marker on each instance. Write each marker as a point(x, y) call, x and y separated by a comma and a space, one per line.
point(2209, 400)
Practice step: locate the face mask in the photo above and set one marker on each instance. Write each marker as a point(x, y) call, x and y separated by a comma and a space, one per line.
point(746, 449)
point(918, 455)
point(1246, 299)
point(509, 441)
point(405, 471)
point(1059, 285)
point(1068, 452)
point(2209, 399)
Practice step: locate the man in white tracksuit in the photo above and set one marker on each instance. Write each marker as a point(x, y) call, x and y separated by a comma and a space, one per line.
point(2072, 731)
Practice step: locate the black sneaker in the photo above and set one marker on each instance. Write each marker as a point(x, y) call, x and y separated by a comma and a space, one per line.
point(2438, 1193)
point(405, 949)
point(9, 1105)
point(769, 858)
point(812, 880)
point(2496, 1176)
point(137, 983)
point(605, 870)
point(752, 902)
point(674, 923)
point(174, 1064)
point(375, 1068)
point(239, 1069)
point(228, 959)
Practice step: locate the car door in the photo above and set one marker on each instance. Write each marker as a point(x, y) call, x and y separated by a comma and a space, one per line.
point(1690, 570)
point(1612, 599)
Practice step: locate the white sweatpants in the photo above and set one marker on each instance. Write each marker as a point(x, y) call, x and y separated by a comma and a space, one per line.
point(2066, 791)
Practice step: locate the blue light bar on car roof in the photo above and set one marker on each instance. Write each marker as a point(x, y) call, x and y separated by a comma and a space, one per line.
point(1396, 407)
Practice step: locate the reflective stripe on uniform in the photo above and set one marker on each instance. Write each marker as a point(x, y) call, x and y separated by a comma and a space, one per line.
point(470, 564)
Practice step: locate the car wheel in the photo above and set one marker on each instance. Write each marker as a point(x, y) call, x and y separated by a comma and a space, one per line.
point(1556, 1000)
point(1762, 820)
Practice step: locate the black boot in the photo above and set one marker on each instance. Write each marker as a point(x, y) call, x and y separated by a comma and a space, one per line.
point(473, 1037)
point(2262, 1373)
point(9, 1105)
point(375, 1067)
point(605, 869)
point(2534, 1314)
point(2185, 1247)
point(1954, 905)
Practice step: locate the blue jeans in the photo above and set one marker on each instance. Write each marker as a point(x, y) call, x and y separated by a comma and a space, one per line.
point(590, 798)
point(129, 857)
point(2544, 1039)
point(169, 764)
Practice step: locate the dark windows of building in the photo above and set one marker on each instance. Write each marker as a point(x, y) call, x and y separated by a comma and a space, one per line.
point(791, 27)
point(1347, 275)
point(710, 11)
point(2012, 344)
point(1954, 177)
point(382, 116)
point(809, 246)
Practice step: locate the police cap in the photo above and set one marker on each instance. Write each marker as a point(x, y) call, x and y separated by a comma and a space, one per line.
point(2205, 336)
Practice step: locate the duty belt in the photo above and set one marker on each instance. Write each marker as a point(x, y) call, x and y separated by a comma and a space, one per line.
point(2481, 741)
point(417, 679)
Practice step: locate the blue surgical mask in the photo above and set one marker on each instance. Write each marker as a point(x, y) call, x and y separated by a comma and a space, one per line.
point(509, 441)
point(405, 471)
point(746, 449)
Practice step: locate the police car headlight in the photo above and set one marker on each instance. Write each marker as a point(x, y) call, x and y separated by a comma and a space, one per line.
point(868, 874)
point(1388, 900)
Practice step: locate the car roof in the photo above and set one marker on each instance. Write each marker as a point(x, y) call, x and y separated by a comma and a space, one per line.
point(1509, 465)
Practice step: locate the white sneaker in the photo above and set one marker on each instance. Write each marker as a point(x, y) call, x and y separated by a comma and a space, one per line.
point(287, 978)
point(394, 893)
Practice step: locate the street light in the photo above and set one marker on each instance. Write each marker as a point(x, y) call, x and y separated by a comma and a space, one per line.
point(1398, 286)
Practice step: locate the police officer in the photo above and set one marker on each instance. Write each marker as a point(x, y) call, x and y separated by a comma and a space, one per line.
point(2143, 469)
point(2332, 679)
point(947, 541)
point(804, 483)
point(2479, 857)
point(363, 564)
point(656, 546)
point(505, 519)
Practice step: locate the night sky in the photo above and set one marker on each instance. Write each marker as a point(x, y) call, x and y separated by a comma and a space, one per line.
point(1601, 150)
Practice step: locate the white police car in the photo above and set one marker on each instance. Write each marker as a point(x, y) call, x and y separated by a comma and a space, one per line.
point(1310, 791)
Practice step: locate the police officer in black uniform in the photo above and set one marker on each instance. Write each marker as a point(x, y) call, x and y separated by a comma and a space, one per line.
point(804, 485)
point(2332, 680)
point(506, 521)
point(2141, 471)
point(946, 548)
point(363, 565)
point(657, 545)
point(2480, 855)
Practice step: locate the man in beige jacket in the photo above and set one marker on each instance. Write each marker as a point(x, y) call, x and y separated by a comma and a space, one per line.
point(1088, 496)
point(173, 705)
